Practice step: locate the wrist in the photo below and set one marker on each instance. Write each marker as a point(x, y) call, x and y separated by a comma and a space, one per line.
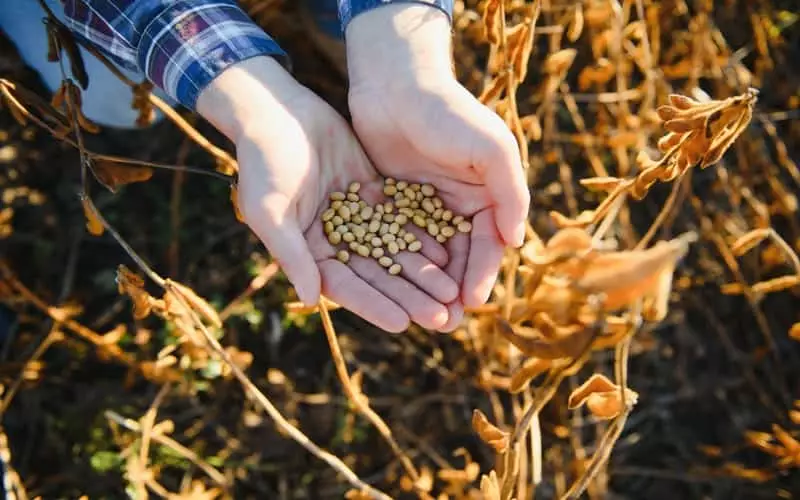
point(398, 44)
point(248, 94)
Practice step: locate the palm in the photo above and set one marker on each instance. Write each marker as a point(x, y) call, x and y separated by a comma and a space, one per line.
point(437, 135)
point(318, 154)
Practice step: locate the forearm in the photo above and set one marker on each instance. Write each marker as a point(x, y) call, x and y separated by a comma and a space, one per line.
point(181, 47)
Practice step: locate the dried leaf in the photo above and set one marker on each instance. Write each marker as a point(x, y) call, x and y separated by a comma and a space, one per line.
point(132, 285)
point(492, 20)
point(493, 90)
point(559, 62)
point(602, 397)
point(93, 224)
point(115, 174)
point(602, 184)
point(530, 369)
point(488, 432)
point(200, 305)
point(567, 347)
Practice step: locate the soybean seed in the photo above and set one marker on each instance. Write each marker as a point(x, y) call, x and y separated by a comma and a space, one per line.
point(415, 186)
point(363, 250)
point(427, 205)
point(410, 193)
point(402, 185)
point(419, 221)
point(395, 269)
point(428, 190)
point(336, 204)
point(354, 207)
point(377, 253)
point(379, 209)
point(401, 244)
point(337, 196)
point(352, 197)
point(359, 232)
point(376, 242)
point(357, 219)
point(388, 217)
point(440, 238)
point(433, 229)
point(343, 229)
point(343, 256)
point(354, 246)
point(344, 212)
point(465, 227)
point(384, 229)
point(329, 227)
point(354, 187)
point(374, 226)
point(437, 214)
point(419, 197)
point(407, 212)
point(385, 261)
point(414, 204)
point(457, 220)
point(349, 237)
point(328, 214)
point(437, 202)
point(366, 212)
point(447, 215)
point(415, 246)
point(409, 237)
point(386, 238)
point(393, 247)
point(390, 190)
point(335, 238)
point(448, 231)
point(337, 220)
point(389, 180)
point(388, 207)
point(403, 203)
point(394, 227)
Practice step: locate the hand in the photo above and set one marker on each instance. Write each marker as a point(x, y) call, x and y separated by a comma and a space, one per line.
point(293, 151)
point(416, 122)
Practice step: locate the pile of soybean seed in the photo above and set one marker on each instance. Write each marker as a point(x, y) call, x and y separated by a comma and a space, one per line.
point(379, 231)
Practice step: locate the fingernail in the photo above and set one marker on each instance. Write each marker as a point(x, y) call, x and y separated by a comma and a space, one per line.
point(519, 235)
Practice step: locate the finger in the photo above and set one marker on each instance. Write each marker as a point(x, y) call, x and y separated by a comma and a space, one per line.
point(458, 247)
point(431, 249)
point(429, 277)
point(274, 223)
point(423, 309)
point(344, 287)
point(485, 254)
point(497, 158)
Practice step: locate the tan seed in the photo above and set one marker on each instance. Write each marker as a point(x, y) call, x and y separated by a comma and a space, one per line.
point(414, 204)
point(410, 193)
point(354, 187)
point(359, 232)
point(385, 261)
point(379, 209)
point(343, 229)
point(409, 237)
point(419, 221)
point(395, 269)
point(363, 250)
point(419, 197)
point(447, 215)
point(457, 220)
point(427, 205)
point(388, 217)
point(376, 242)
point(415, 246)
point(377, 253)
point(390, 190)
point(374, 226)
point(349, 237)
point(329, 227)
point(368, 237)
point(448, 231)
point(335, 238)
point(354, 246)
point(407, 212)
point(403, 203)
point(394, 227)
point(388, 207)
point(352, 197)
point(433, 229)
point(384, 229)
point(354, 207)
point(402, 185)
point(440, 238)
point(415, 186)
point(344, 212)
point(386, 238)
point(337, 196)
point(357, 219)
point(398, 196)
point(401, 244)
point(400, 220)
point(328, 214)
point(401, 233)
point(362, 204)
point(337, 220)
point(393, 247)
point(465, 227)
point(343, 256)
point(437, 202)
point(428, 190)
point(336, 204)
point(366, 213)
point(437, 214)
point(389, 180)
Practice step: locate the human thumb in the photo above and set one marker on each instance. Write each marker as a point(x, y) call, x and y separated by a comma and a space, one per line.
point(274, 221)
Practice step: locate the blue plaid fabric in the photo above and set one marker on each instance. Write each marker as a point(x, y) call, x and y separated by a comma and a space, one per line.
point(181, 45)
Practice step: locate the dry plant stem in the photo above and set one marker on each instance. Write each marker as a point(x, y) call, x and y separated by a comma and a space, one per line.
point(297, 435)
point(178, 448)
point(260, 281)
point(612, 434)
point(53, 336)
point(147, 422)
point(359, 400)
point(85, 333)
point(664, 213)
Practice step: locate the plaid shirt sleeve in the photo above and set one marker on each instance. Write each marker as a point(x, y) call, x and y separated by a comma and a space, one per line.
point(179, 45)
point(348, 9)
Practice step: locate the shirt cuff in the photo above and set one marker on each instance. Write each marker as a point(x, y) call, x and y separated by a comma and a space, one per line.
point(188, 44)
point(348, 9)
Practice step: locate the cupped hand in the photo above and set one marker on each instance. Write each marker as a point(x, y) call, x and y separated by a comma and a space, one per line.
point(417, 122)
point(293, 150)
